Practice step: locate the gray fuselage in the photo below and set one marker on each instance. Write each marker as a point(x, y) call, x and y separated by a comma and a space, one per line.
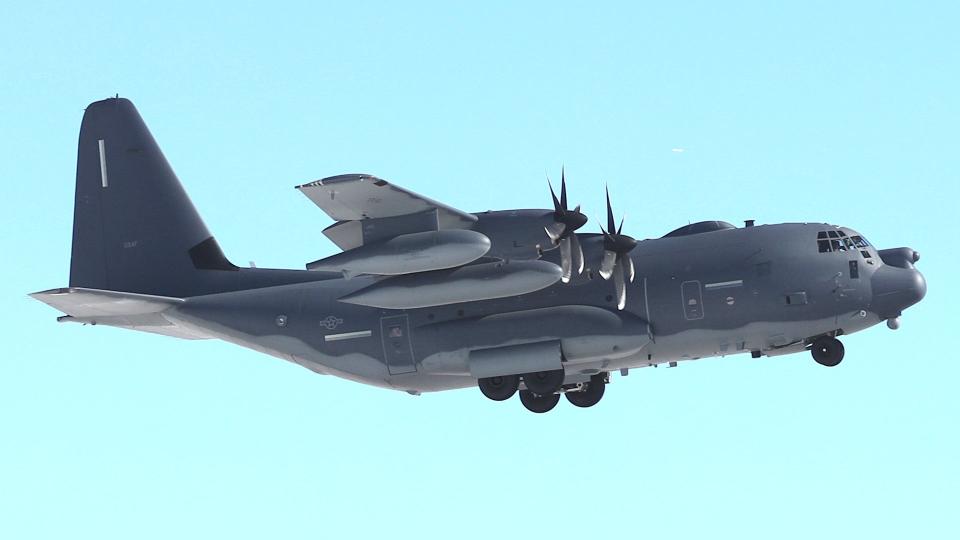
point(761, 290)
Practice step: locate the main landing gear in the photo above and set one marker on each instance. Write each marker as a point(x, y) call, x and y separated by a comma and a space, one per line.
point(827, 351)
point(543, 389)
point(544, 382)
point(590, 393)
point(499, 388)
point(538, 403)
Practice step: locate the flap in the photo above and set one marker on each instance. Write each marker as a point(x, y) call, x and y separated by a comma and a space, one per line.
point(351, 197)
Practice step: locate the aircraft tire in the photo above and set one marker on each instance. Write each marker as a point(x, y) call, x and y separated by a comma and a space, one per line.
point(499, 388)
point(589, 396)
point(544, 382)
point(827, 351)
point(538, 403)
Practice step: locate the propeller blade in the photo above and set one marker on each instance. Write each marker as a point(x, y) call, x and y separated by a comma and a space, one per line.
point(607, 264)
point(576, 252)
point(556, 202)
point(628, 267)
point(566, 262)
point(620, 228)
point(563, 189)
point(620, 286)
point(555, 230)
point(611, 224)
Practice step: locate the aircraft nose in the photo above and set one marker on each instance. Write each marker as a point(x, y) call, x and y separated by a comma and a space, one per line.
point(895, 289)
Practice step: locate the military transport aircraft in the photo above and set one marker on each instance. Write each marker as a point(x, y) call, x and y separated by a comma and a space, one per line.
point(427, 297)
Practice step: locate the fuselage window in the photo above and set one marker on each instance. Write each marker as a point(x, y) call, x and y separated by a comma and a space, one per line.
point(860, 242)
point(854, 270)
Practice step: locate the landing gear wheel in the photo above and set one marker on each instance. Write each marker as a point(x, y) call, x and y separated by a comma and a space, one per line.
point(544, 382)
point(827, 351)
point(499, 388)
point(591, 394)
point(538, 403)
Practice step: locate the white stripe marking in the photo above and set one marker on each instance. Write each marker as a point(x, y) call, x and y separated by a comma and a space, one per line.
point(103, 164)
point(724, 284)
point(347, 335)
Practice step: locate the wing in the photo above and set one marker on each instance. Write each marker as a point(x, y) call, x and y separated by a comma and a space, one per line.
point(351, 197)
point(369, 209)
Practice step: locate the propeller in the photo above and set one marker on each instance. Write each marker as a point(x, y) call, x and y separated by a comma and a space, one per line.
point(562, 231)
point(616, 262)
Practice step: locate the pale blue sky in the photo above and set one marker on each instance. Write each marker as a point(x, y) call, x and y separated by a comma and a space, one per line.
point(816, 112)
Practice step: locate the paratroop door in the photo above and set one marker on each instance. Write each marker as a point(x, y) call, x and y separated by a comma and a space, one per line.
point(692, 300)
point(398, 353)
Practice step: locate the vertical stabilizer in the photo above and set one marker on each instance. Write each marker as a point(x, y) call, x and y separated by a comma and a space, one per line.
point(134, 227)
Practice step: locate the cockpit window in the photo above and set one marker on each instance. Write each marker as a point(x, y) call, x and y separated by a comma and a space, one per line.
point(836, 240)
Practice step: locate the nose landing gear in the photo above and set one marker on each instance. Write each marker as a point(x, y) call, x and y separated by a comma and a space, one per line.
point(827, 351)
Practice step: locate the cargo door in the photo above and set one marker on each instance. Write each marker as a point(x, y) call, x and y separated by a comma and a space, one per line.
point(397, 351)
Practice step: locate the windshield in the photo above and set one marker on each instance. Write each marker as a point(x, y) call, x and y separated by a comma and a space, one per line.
point(836, 240)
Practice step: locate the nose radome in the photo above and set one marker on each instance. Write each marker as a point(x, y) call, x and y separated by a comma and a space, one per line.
point(896, 289)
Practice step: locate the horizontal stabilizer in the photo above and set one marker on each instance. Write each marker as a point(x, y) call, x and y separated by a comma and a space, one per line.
point(133, 311)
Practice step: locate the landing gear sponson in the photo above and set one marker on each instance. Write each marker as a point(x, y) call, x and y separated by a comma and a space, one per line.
point(543, 389)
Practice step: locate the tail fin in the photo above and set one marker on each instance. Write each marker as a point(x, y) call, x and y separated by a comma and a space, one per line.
point(134, 228)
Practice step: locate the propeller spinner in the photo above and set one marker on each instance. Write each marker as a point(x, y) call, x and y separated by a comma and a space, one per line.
point(616, 262)
point(561, 231)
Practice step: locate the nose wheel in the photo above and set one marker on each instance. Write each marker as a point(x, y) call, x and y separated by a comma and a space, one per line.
point(827, 351)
